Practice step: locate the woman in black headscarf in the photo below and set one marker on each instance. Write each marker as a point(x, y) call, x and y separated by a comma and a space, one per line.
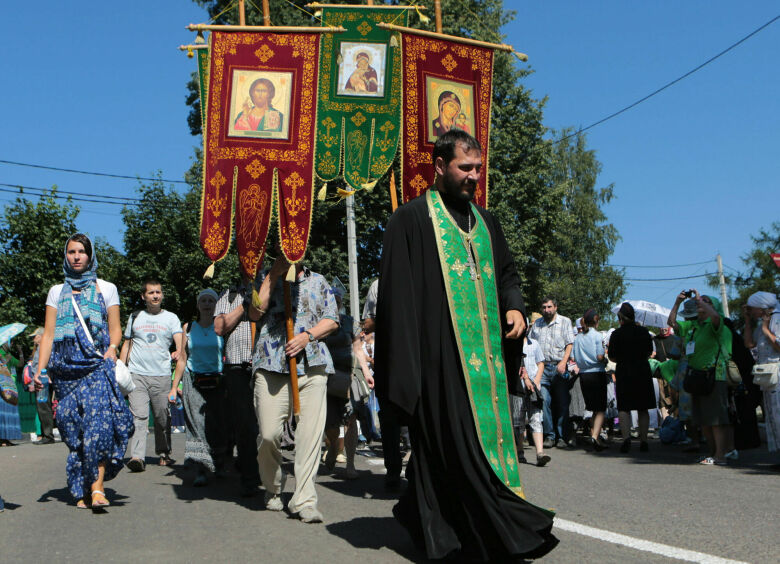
point(629, 348)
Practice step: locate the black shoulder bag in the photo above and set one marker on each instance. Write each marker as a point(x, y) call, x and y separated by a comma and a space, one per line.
point(700, 382)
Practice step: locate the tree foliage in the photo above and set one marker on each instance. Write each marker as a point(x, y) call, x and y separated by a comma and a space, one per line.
point(761, 273)
point(32, 236)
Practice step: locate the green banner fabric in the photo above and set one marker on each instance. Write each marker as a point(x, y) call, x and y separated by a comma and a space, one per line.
point(359, 95)
point(475, 314)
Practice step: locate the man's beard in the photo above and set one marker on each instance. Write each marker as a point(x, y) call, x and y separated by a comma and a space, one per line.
point(548, 315)
point(459, 191)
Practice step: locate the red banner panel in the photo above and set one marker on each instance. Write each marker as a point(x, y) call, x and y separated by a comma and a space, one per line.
point(258, 143)
point(446, 86)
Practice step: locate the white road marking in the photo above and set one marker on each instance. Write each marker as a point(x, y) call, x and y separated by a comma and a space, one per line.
point(643, 545)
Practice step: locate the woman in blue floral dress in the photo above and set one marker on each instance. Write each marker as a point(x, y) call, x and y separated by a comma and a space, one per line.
point(92, 416)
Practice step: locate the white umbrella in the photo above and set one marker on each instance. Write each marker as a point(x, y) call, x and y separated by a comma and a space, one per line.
point(648, 313)
point(8, 332)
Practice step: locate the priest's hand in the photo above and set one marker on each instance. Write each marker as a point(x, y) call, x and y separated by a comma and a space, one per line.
point(516, 321)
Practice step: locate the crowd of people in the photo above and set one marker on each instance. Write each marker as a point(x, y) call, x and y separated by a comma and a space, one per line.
point(461, 375)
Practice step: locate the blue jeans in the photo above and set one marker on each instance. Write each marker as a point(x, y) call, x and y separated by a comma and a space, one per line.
point(555, 393)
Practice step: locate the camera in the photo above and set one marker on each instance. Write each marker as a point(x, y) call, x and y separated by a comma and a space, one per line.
point(689, 293)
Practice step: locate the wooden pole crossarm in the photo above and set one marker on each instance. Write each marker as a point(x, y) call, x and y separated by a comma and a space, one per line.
point(194, 46)
point(498, 46)
point(271, 28)
point(317, 5)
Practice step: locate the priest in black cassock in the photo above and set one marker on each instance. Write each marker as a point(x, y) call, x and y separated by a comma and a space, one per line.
point(450, 318)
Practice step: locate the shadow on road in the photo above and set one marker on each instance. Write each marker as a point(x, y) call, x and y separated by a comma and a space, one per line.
point(63, 495)
point(376, 533)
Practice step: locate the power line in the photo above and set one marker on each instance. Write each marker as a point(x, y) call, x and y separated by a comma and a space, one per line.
point(46, 190)
point(675, 81)
point(661, 266)
point(124, 176)
point(668, 279)
point(76, 199)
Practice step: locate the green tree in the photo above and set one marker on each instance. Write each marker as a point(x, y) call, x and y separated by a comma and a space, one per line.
point(576, 270)
point(32, 235)
point(761, 274)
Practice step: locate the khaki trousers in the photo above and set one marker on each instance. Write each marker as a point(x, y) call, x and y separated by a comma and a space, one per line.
point(273, 406)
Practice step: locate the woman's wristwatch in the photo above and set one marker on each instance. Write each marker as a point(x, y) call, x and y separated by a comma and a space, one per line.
point(311, 336)
point(112, 346)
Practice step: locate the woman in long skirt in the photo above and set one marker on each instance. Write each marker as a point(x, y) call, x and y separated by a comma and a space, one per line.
point(80, 340)
point(199, 368)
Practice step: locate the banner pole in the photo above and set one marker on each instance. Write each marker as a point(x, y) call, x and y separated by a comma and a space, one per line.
point(266, 13)
point(437, 7)
point(241, 12)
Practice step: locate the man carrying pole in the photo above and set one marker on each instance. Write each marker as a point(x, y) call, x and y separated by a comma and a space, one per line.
point(449, 327)
point(314, 317)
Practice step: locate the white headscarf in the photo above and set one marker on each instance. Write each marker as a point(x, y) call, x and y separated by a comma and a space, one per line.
point(763, 300)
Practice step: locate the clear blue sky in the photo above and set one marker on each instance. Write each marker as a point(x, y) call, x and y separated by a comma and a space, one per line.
point(101, 86)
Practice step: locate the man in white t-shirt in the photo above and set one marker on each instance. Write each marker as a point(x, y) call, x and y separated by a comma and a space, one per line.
point(148, 339)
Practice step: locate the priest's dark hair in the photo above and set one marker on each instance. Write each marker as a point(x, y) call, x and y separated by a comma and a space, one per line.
point(445, 145)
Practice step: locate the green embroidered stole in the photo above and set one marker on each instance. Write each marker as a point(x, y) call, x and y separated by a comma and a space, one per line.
point(478, 336)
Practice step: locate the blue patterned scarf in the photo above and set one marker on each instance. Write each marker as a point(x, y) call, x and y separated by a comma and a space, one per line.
point(89, 303)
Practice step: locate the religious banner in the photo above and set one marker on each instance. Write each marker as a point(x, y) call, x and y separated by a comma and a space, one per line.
point(359, 96)
point(447, 85)
point(258, 143)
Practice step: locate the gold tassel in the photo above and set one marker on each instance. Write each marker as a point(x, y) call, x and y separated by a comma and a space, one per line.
point(323, 193)
point(344, 193)
point(290, 274)
point(318, 14)
point(209, 274)
point(339, 59)
point(256, 303)
point(522, 56)
point(423, 18)
point(394, 41)
point(190, 53)
point(369, 185)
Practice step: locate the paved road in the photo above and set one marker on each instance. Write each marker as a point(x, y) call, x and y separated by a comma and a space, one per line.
point(731, 513)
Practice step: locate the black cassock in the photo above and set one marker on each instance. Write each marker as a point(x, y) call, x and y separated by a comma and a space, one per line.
point(454, 505)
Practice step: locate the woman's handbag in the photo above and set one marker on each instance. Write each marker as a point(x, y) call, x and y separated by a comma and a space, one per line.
point(733, 377)
point(123, 378)
point(765, 375)
point(699, 382)
point(339, 383)
point(205, 381)
point(121, 373)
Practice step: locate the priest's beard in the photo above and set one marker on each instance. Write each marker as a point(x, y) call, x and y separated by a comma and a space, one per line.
point(458, 192)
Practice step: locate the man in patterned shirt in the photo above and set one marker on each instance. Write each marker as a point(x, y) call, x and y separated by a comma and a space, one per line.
point(555, 336)
point(316, 317)
point(232, 322)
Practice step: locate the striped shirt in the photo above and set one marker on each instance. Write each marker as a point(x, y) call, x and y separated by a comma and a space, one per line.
point(238, 343)
point(553, 337)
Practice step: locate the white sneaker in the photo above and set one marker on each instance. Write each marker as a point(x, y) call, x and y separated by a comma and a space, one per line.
point(273, 502)
point(310, 514)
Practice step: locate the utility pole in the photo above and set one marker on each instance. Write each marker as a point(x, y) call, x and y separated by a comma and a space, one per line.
point(722, 280)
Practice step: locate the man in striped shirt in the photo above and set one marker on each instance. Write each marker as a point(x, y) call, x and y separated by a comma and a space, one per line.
point(555, 336)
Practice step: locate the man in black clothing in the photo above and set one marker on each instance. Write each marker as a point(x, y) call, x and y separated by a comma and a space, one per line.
point(461, 501)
